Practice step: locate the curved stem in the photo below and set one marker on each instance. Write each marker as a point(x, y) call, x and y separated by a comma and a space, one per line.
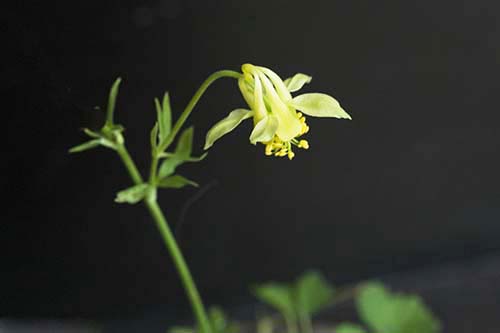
point(192, 103)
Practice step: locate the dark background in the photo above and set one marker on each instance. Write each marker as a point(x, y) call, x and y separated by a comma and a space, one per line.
point(410, 184)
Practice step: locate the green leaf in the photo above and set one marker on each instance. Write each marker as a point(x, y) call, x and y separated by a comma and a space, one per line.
point(185, 144)
point(86, 146)
point(92, 134)
point(319, 105)
point(132, 194)
point(384, 311)
point(297, 81)
point(277, 295)
point(217, 319)
point(176, 181)
point(112, 101)
point(226, 125)
point(312, 293)
point(264, 130)
point(265, 324)
point(182, 154)
point(159, 111)
point(169, 165)
point(349, 328)
point(164, 116)
point(196, 158)
point(189, 159)
point(374, 306)
point(153, 136)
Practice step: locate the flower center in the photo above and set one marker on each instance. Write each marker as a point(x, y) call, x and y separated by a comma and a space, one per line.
point(280, 148)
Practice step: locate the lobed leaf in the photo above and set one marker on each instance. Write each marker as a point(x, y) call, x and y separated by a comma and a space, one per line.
point(384, 311)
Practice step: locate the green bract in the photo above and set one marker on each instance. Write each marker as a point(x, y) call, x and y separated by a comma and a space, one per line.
point(277, 124)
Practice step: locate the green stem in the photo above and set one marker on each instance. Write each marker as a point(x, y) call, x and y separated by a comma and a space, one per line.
point(290, 322)
point(129, 164)
point(154, 167)
point(180, 264)
point(192, 103)
point(155, 210)
point(170, 243)
point(305, 323)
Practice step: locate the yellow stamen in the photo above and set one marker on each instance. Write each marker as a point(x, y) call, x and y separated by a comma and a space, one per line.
point(303, 144)
point(277, 144)
point(305, 129)
point(291, 155)
point(269, 149)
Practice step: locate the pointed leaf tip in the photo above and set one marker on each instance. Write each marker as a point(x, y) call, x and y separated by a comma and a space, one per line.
point(85, 146)
point(176, 181)
point(185, 143)
point(164, 116)
point(113, 92)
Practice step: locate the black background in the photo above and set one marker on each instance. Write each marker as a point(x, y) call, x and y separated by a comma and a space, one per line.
point(411, 182)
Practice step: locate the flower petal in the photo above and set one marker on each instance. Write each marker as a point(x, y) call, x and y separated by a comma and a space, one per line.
point(226, 125)
point(278, 83)
point(289, 124)
point(259, 105)
point(246, 91)
point(297, 81)
point(264, 130)
point(319, 105)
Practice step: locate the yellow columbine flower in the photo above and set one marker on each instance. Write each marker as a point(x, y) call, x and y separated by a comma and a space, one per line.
point(277, 124)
